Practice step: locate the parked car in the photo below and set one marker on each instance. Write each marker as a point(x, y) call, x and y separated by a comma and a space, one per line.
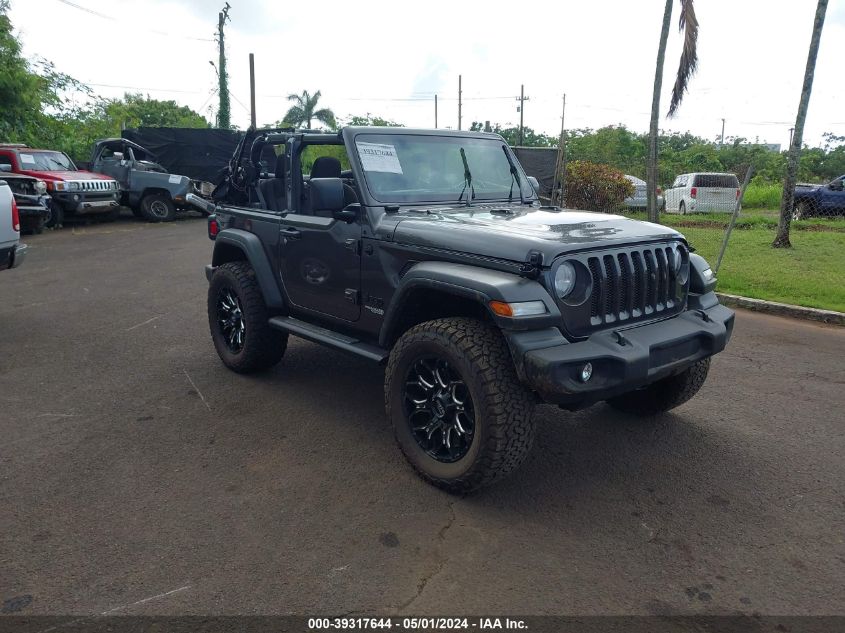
point(703, 193)
point(813, 200)
point(12, 252)
point(32, 200)
point(146, 187)
point(73, 192)
point(640, 198)
point(433, 256)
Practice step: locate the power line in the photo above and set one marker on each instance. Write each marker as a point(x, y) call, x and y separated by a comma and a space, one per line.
point(114, 19)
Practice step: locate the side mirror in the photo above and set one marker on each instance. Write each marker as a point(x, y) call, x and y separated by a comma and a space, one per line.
point(534, 183)
point(6, 167)
point(327, 194)
point(348, 214)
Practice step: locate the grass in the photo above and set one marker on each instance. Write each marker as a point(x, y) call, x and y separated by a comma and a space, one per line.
point(809, 274)
point(762, 196)
point(759, 219)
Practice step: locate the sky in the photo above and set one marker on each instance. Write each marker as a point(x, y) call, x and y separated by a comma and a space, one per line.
point(389, 59)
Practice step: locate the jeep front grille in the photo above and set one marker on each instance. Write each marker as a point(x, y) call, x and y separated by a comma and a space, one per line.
point(632, 284)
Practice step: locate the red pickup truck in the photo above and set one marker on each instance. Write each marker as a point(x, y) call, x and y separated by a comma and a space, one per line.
point(73, 192)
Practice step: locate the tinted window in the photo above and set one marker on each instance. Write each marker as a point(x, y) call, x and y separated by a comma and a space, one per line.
point(724, 181)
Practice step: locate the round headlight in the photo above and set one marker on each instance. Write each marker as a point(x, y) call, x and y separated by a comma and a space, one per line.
point(40, 187)
point(564, 279)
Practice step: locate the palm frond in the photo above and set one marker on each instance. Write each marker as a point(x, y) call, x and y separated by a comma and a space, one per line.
point(295, 116)
point(688, 24)
point(326, 116)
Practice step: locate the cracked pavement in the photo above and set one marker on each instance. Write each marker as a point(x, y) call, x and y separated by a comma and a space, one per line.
point(141, 477)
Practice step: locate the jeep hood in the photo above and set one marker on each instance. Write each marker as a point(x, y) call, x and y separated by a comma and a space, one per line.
point(513, 231)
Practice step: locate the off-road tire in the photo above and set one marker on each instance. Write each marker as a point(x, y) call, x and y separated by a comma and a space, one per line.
point(664, 394)
point(57, 215)
point(504, 428)
point(158, 207)
point(263, 347)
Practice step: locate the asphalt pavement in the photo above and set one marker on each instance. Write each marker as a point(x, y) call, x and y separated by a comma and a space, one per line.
point(139, 476)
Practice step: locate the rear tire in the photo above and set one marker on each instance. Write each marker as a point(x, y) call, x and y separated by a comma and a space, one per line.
point(238, 320)
point(665, 394)
point(482, 428)
point(682, 208)
point(158, 207)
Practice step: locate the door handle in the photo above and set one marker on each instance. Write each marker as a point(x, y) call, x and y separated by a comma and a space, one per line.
point(291, 232)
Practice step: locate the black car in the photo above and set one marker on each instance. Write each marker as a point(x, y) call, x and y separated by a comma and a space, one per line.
point(429, 252)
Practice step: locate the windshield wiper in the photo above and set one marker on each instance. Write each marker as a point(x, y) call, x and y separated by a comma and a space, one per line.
point(467, 179)
point(514, 177)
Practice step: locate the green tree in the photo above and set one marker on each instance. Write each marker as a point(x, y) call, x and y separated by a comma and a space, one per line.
point(688, 24)
point(374, 121)
point(135, 110)
point(788, 199)
point(305, 111)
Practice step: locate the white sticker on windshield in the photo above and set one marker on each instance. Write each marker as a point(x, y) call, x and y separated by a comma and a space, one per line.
point(378, 157)
point(175, 179)
point(27, 158)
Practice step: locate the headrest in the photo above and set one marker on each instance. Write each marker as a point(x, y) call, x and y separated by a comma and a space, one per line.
point(326, 167)
point(279, 169)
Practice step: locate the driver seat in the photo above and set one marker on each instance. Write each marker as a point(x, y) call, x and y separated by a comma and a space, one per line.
point(274, 190)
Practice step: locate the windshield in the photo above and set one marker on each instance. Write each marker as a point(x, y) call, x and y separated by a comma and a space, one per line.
point(422, 168)
point(46, 161)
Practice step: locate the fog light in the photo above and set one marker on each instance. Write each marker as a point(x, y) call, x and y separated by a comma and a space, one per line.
point(586, 372)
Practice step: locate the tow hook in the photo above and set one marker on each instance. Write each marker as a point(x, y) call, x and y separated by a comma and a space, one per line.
point(621, 340)
point(704, 316)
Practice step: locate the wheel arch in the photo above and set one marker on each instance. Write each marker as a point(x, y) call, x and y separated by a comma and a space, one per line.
point(432, 290)
point(150, 191)
point(237, 245)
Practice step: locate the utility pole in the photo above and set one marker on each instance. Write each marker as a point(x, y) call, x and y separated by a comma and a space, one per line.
point(560, 163)
point(224, 119)
point(435, 112)
point(522, 99)
point(252, 89)
point(459, 102)
point(722, 142)
point(791, 130)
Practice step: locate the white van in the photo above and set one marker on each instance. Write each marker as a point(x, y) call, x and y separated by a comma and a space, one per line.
point(702, 193)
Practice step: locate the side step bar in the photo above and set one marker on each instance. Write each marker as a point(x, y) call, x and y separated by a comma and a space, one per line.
point(328, 338)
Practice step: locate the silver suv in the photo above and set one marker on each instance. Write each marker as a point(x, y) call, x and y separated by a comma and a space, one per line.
point(12, 252)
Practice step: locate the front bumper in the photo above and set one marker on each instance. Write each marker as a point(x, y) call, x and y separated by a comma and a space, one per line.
point(81, 204)
point(622, 360)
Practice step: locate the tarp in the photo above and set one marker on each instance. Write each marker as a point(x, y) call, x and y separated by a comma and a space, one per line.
point(197, 153)
point(539, 162)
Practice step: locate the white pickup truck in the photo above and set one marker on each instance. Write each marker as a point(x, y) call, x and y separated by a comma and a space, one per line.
point(12, 252)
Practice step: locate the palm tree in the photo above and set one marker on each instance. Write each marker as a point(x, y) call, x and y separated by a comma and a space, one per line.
point(306, 111)
point(788, 199)
point(688, 24)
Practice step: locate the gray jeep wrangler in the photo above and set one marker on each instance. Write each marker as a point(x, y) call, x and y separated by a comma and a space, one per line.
point(147, 188)
point(432, 255)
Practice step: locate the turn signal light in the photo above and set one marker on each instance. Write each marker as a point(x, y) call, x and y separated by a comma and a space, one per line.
point(520, 309)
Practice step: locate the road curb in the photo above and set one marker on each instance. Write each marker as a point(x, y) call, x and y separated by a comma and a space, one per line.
point(783, 309)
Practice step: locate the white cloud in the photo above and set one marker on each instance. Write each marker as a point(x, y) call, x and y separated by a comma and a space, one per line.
point(390, 58)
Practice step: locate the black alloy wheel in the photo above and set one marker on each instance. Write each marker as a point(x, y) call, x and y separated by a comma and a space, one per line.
point(231, 319)
point(439, 409)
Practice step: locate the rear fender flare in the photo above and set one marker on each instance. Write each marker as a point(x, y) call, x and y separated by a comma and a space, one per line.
point(250, 246)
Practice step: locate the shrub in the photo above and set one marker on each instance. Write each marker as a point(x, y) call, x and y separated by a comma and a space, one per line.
point(595, 187)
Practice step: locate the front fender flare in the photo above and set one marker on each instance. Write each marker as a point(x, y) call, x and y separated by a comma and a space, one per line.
point(249, 244)
point(482, 285)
